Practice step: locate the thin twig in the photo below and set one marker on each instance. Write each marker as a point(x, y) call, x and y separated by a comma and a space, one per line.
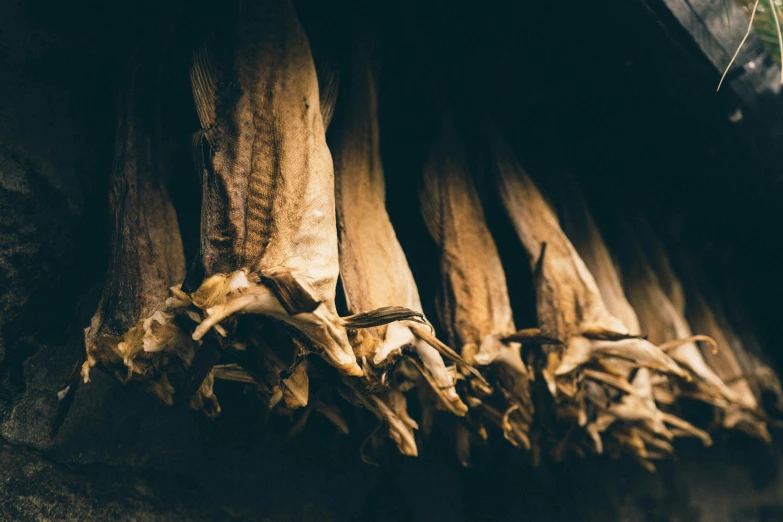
point(750, 28)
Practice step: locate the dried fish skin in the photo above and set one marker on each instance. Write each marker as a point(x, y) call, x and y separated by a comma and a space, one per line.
point(474, 304)
point(268, 240)
point(130, 334)
point(373, 266)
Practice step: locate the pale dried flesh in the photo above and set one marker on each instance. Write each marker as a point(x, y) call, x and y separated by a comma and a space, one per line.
point(268, 240)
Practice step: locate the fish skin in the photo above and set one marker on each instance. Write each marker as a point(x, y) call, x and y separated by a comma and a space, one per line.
point(475, 300)
point(659, 317)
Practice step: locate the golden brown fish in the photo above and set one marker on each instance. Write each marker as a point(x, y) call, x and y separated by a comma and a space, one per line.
point(667, 326)
point(569, 304)
point(743, 411)
point(129, 334)
point(373, 266)
point(474, 305)
point(580, 227)
point(269, 240)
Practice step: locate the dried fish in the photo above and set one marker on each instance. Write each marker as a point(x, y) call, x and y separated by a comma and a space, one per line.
point(129, 334)
point(570, 308)
point(667, 326)
point(474, 305)
point(373, 266)
point(579, 225)
point(744, 413)
point(268, 241)
point(759, 373)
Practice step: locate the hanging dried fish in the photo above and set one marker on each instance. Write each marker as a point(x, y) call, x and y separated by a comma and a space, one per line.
point(668, 328)
point(570, 307)
point(760, 375)
point(373, 266)
point(745, 414)
point(742, 412)
point(129, 335)
point(578, 224)
point(474, 305)
point(269, 241)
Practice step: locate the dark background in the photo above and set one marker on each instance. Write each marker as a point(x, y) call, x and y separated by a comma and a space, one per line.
point(613, 92)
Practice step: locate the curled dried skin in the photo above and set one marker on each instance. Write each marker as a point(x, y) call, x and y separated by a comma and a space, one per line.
point(129, 335)
point(568, 301)
point(373, 266)
point(473, 303)
point(268, 239)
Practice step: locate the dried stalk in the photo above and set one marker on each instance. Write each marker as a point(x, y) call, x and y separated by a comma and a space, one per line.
point(129, 335)
point(373, 266)
point(570, 308)
point(474, 305)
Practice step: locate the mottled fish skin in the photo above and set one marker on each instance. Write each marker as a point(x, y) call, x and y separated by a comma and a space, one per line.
point(269, 199)
point(373, 266)
point(269, 235)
